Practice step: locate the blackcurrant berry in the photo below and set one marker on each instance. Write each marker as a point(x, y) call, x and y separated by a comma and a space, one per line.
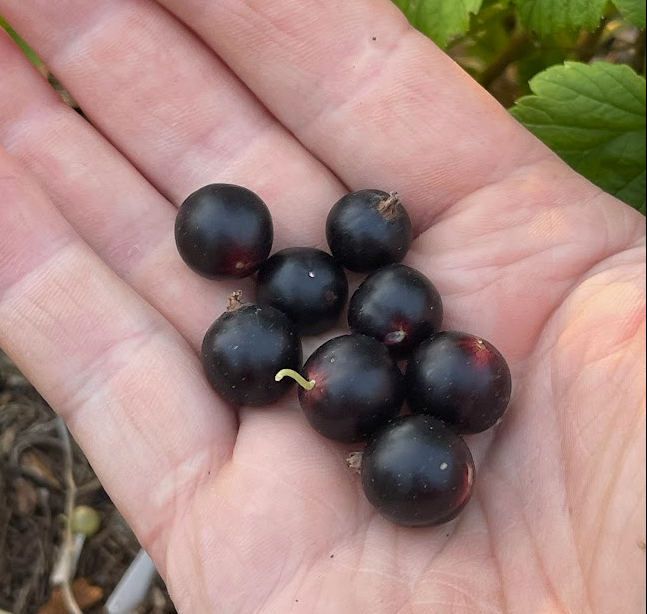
point(398, 306)
point(223, 231)
point(417, 472)
point(460, 379)
point(244, 348)
point(350, 388)
point(306, 284)
point(368, 229)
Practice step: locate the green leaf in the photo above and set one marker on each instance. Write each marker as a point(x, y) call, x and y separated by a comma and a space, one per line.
point(593, 116)
point(554, 16)
point(441, 20)
point(633, 10)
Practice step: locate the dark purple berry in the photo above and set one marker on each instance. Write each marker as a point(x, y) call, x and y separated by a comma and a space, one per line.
point(368, 229)
point(417, 472)
point(223, 231)
point(356, 388)
point(306, 284)
point(243, 350)
point(460, 379)
point(398, 306)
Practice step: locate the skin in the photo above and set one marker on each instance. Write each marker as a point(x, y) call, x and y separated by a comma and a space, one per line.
point(251, 511)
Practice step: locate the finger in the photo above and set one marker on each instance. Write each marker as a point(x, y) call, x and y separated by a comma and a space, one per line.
point(373, 99)
point(129, 387)
point(111, 206)
point(174, 110)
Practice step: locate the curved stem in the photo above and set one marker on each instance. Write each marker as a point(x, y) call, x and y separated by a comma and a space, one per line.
point(299, 379)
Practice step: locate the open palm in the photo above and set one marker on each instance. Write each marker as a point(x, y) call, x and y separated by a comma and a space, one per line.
point(253, 512)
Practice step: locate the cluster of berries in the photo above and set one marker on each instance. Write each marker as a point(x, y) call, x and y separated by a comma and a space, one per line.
point(416, 468)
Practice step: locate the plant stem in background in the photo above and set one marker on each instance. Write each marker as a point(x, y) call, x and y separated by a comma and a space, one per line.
point(518, 46)
point(589, 44)
point(67, 548)
point(638, 63)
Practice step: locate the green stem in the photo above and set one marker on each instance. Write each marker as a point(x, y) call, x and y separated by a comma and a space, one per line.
point(299, 379)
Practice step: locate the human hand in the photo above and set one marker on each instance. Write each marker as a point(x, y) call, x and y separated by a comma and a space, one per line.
point(245, 512)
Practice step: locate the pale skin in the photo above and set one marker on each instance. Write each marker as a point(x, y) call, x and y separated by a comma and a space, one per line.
point(249, 511)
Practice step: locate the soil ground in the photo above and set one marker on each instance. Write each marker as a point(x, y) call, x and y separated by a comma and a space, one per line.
point(32, 501)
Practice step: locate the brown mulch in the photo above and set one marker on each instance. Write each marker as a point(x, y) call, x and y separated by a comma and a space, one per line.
point(32, 499)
